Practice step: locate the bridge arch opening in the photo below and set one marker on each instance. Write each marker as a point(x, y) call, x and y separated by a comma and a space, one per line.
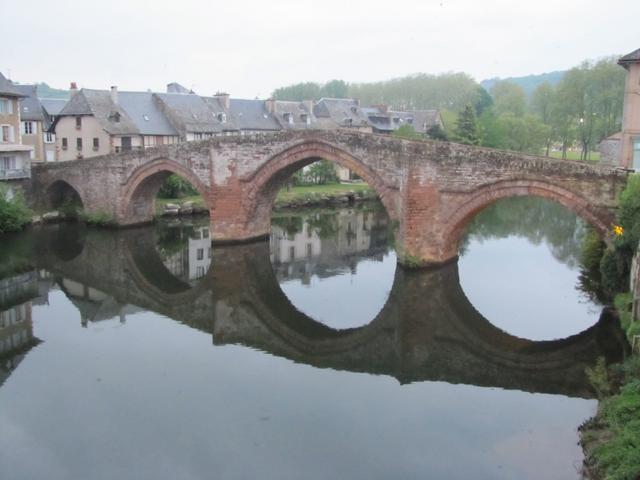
point(331, 230)
point(520, 261)
point(163, 188)
point(65, 198)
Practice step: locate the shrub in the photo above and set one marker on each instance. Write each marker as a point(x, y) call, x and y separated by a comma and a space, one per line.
point(614, 270)
point(14, 213)
point(176, 187)
point(98, 218)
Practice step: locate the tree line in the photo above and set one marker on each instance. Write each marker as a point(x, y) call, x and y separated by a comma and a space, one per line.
point(578, 112)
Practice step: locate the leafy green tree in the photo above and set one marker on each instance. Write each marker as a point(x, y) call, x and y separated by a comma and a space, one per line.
point(14, 213)
point(335, 89)
point(522, 134)
point(437, 133)
point(176, 187)
point(321, 173)
point(298, 92)
point(508, 98)
point(542, 102)
point(407, 131)
point(466, 128)
point(490, 130)
point(484, 101)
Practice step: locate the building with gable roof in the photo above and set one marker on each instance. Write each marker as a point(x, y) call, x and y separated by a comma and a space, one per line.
point(15, 158)
point(334, 113)
point(35, 123)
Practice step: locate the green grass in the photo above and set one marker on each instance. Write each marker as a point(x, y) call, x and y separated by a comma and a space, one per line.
point(593, 156)
point(329, 190)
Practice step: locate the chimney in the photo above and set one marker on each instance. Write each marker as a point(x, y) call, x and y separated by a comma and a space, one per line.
point(114, 94)
point(223, 98)
point(73, 89)
point(308, 104)
point(271, 105)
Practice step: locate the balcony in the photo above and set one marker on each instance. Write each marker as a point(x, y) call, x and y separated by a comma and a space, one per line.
point(15, 173)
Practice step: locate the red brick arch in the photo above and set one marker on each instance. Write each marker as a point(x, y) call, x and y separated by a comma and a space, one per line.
point(271, 176)
point(484, 196)
point(144, 182)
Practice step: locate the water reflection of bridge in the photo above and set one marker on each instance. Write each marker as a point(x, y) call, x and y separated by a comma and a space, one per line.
point(427, 330)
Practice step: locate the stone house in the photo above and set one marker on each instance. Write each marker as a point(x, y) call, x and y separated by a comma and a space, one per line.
point(99, 122)
point(334, 113)
point(194, 117)
point(15, 158)
point(623, 148)
point(252, 116)
point(35, 124)
point(384, 120)
point(292, 115)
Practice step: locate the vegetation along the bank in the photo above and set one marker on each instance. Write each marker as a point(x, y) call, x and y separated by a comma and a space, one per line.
point(611, 440)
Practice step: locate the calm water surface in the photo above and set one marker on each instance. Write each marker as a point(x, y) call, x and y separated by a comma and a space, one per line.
point(147, 354)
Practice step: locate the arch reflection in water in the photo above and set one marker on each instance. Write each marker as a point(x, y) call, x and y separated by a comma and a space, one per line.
point(520, 266)
point(336, 266)
point(415, 337)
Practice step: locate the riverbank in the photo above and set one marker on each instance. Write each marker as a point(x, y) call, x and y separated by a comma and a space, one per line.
point(611, 439)
point(299, 196)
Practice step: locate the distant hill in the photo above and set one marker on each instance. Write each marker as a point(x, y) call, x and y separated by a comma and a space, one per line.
point(528, 83)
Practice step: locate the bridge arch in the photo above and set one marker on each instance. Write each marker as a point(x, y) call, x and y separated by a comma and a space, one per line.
point(62, 193)
point(488, 194)
point(272, 175)
point(138, 194)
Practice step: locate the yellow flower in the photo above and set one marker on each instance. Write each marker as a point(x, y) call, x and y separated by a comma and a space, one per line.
point(618, 230)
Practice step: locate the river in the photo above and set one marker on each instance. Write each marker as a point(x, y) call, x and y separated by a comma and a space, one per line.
point(145, 353)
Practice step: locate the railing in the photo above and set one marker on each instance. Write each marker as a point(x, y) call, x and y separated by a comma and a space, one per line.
point(15, 173)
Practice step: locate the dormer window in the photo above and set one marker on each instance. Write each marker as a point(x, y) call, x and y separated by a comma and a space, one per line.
point(114, 117)
point(222, 117)
point(288, 118)
point(410, 121)
point(306, 119)
point(348, 122)
point(146, 117)
point(396, 119)
point(354, 109)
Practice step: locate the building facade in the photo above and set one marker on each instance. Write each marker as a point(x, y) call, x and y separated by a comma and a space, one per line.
point(15, 158)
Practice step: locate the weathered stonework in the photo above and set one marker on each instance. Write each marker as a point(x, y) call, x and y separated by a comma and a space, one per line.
point(431, 189)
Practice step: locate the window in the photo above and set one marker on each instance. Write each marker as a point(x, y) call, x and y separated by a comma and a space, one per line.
point(205, 233)
point(222, 117)
point(79, 143)
point(78, 123)
point(199, 272)
point(65, 145)
point(200, 254)
point(7, 162)
point(6, 106)
point(48, 137)
point(7, 133)
point(292, 253)
point(28, 128)
point(96, 144)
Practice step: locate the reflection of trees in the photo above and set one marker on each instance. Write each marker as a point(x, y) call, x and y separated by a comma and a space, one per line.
point(323, 224)
point(536, 219)
point(291, 225)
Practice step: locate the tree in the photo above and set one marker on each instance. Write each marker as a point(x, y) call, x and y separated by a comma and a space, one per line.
point(508, 98)
point(437, 133)
point(407, 131)
point(484, 101)
point(466, 128)
point(335, 89)
point(321, 172)
point(542, 101)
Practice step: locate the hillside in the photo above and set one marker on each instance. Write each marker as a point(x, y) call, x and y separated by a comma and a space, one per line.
point(529, 82)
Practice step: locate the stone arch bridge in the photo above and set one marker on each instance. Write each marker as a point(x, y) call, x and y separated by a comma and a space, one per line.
point(431, 189)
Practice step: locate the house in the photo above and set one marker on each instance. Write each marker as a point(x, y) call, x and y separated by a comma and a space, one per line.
point(194, 117)
point(623, 148)
point(35, 123)
point(385, 120)
point(292, 115)
point(15, 158)
point(252, 116)
point(99, 122)
point(334, 113)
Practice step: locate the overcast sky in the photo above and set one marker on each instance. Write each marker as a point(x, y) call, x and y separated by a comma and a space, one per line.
point(250, 47)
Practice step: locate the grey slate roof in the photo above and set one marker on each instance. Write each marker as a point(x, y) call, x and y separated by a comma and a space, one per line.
point(111, 117)
point(380, 120)
point(8, 89)
point(189, 113)
point(252, 115)
point(53, 106)
point(633, 57)
point(145, 114)
point(30, 107)
point(293, 115)
point(346, 112)
point(421, 120)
